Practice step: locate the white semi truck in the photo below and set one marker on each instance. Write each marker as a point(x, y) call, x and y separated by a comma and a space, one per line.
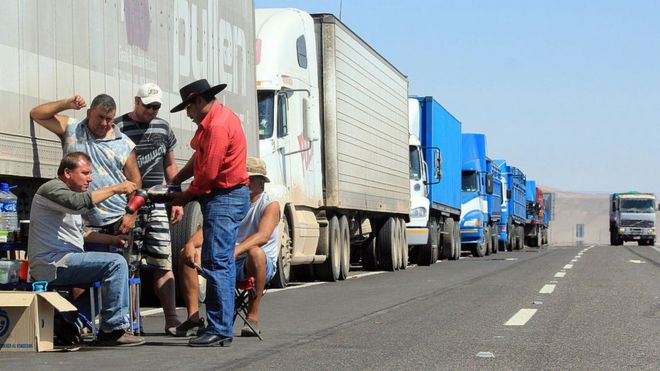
point(54, 49)
point(333, 130)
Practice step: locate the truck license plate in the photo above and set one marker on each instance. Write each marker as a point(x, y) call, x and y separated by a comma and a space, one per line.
point(636, 238)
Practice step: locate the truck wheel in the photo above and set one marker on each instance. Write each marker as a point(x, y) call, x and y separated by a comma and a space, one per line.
point(345, 247)
point(479, 249)
point(404, 244)
point(329, 269)
point(496, 240)
point(283, 273)
point(519, 237)
point(448, 245)
point(457, 241)
point(386, 244)
point(489, 241)
point(425, 252)
point(180, 234)
point(396, 248)
point(369, 254)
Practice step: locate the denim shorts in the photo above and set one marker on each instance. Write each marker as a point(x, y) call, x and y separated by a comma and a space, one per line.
point(241, 269)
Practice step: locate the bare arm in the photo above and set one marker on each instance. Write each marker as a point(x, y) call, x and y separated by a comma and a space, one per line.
point(267, 224)
point(96, 237)
point(170, 167)
point(185, 173)
point(131, 170)
point(104, 193)
point(47, 116)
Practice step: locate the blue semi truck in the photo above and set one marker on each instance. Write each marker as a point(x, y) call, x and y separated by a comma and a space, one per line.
point(514, 207)
point(481, 197)
point(435, 182)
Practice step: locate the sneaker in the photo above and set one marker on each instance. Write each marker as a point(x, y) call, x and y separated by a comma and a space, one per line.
point(118, 338)
point(187, 328)
point(246, 331)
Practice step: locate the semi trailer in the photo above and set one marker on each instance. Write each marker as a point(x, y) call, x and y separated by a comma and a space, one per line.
point(536, 227)
point(333, 131)
point(514, 207)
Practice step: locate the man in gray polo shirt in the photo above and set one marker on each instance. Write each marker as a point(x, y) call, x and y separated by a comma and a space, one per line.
point(55, 245)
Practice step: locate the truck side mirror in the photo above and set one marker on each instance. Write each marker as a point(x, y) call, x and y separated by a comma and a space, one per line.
point(508, 194)
point(437, 159)
point(489, 184)
point(310, 130)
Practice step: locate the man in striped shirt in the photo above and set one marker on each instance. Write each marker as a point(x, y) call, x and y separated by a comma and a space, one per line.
point(154, 145)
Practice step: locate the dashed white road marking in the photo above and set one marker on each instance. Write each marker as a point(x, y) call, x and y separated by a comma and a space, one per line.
point(573, 260)
point(521, 318)
point(637, 261)
point(547, 289)
point(568, 266)
point(560, 274)
point(511, 259)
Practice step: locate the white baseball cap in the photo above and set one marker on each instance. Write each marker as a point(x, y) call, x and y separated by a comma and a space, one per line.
point(150, 93)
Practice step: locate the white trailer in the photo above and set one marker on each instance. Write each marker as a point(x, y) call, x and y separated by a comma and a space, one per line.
point(54, 49)
point(333, 125)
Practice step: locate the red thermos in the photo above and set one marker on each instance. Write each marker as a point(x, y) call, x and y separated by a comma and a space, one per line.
point(137, 201)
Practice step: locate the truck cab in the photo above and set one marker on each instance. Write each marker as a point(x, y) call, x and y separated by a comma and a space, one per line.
point(479, 186)
point(632, 218)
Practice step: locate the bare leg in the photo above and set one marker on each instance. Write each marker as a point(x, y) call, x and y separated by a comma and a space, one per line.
point(256, 267)
point(164, 289)
point(189, 286)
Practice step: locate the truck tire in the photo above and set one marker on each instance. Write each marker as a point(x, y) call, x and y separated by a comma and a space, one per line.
point(345, 246)
point(369, 254)
point(489, 241)
point(425, 253)
point(386, 244)
point(396, 248)
point(404, 244)
point(180, 233)
point(457, 241)
point(283, 272)
point(479, 249)
point(329, 269)
point(448, 240)
point(496, 240)
point(510, 239)
point(519, 238)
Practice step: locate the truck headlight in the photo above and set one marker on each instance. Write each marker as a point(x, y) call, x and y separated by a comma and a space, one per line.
point(418, 212)
point(472, 223)
point(622, 230)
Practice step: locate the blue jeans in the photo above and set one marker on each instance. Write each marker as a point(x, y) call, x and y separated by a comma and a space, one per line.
point(223, 211)
point(111, 270)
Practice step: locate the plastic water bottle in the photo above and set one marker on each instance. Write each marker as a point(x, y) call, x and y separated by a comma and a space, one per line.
point(8, 216)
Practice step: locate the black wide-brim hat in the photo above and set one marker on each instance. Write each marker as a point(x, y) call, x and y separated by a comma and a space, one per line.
point(194, 89)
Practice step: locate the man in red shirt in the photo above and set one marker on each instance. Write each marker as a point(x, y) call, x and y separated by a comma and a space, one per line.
point(220, 185)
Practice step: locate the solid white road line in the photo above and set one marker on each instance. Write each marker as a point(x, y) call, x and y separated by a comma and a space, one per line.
point(568, 266)
point(520, 318)
point(308, 284)
point(368, 274)
point(655, 248)
point(560, 274)
point(151, 312)
point(547, 289)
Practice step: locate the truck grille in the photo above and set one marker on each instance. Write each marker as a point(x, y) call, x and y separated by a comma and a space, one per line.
point(637, 223)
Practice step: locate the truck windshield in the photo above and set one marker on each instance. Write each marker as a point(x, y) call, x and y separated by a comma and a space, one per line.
point(415, 164)
point(638, 206)
point(470, 181)
point(266, 103)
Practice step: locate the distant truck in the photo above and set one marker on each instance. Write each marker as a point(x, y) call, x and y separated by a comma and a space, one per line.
point(435, 182)
point(333, 131)
point(514, 207)
point(536, 227)
point(481, 197)
point(632, 218)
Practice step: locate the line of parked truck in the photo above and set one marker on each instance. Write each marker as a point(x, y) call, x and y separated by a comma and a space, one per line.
point(365, 173)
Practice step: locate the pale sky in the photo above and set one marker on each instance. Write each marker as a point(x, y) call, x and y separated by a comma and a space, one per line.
point(568, 91)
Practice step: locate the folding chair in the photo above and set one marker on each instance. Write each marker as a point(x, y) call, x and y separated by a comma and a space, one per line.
point(243, 292)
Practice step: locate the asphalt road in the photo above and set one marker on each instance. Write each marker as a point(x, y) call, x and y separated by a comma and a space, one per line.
point(563, 307)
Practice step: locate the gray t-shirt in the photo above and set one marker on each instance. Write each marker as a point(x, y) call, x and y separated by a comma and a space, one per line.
point(250, 225)
point(56, 227)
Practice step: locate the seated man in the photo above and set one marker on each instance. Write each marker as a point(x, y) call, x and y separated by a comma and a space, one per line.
point(256, 253)
point(55, 245)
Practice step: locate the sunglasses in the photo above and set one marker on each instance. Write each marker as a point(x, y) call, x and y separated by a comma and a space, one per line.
point(152, 106)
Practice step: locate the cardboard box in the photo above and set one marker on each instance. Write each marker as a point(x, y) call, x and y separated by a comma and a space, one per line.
point(26, 320)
